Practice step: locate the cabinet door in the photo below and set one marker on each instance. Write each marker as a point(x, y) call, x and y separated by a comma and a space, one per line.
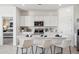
point(1, 31)
point(29, 20)
point(26, 20)
point(39, 18)
point(22, 21)
point(54, 20)
point(50, 20)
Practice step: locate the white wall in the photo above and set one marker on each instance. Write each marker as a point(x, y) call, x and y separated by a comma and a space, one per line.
point(39, 13)
point(1, 31)
point(18, 14)
point(76, 14)
point(43, 13)
point(76, 25)
point(9, 11)
point(24, 13)
point(66, 22)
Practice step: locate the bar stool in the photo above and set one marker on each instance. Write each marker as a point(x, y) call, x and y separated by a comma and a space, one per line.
point(64, 44)
point(25, 45)
point(45, 44)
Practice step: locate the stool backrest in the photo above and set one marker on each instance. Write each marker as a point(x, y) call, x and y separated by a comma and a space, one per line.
point(66, 43)
point(27, 43)
point(47, 43)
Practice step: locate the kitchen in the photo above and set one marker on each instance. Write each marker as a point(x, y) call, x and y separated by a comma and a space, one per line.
point(42, 21)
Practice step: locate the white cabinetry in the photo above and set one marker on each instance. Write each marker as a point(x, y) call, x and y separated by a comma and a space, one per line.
point(48, 20)
point(39, 18)
point(22, 21)
point(29, 21)
point(26, 21)
point(66, 22)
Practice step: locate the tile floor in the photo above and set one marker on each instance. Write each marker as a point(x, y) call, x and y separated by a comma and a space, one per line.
point(8, 49)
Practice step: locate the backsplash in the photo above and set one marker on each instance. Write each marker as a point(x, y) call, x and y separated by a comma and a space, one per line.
point(38, 30)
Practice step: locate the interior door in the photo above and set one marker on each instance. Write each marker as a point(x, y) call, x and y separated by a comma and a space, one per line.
point(7, 30)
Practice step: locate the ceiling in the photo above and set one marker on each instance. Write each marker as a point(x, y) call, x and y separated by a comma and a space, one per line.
point(37, 6)
point(40, 6)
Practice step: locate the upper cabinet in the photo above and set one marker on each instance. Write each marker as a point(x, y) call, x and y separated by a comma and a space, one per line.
point(26, 21)
point(22, 21)
point(48, 20)
point(66, 21)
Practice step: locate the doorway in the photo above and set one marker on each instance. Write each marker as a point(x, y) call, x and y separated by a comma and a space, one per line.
point(7, 30)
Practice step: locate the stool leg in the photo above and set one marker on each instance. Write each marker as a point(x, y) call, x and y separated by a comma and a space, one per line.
point(61, 50)
point(36, 50)
point(32, 49)
point(54, 49)
point(70, 49)
point(17, 50)
point(43, 50)
point(26, 50)
point(51, 49)
point(22, 50)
